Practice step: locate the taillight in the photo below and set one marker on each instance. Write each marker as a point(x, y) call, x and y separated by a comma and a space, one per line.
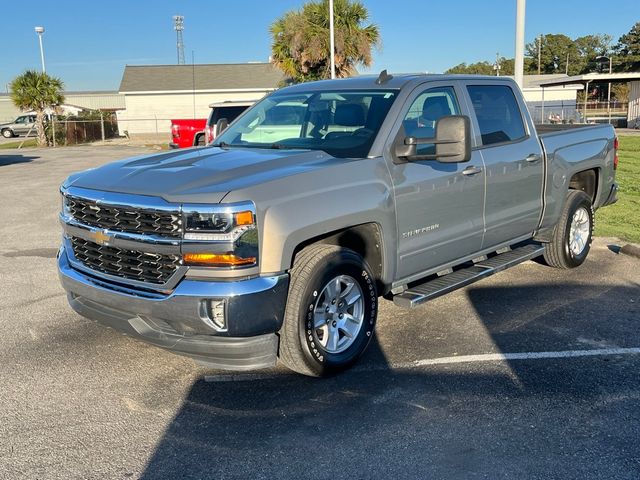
point(615, 153)
point(208, 132)
point(175, 131)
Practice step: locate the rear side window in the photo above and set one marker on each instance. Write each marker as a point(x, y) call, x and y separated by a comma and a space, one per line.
point(230, 113)
point(498, 113)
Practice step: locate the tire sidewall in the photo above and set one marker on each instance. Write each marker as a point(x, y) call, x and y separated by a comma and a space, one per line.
point(340, 263)
point(7, 133)
point(577, 202)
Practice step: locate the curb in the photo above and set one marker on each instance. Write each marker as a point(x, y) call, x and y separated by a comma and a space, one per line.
point(631, 250)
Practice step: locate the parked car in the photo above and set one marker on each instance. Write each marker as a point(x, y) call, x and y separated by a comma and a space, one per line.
point(277, 243)
point(20, 126)
point(184, 132)
point(229, 110)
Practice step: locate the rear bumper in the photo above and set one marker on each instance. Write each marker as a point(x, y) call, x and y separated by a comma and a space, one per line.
point(612, 197)
point(180, 322)
point(174, 145)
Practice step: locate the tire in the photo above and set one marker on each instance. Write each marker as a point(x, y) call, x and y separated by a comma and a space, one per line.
point(320, 336)
point(199, 141)
point(6, 133)
point(572, 236)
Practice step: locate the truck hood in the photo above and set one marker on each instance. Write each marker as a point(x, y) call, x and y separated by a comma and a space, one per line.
point(203, 175)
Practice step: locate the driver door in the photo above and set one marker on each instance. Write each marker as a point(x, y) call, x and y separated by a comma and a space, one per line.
point(439, 206)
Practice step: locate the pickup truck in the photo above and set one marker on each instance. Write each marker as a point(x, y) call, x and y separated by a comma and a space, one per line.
point(184, 132)
point(405, 187)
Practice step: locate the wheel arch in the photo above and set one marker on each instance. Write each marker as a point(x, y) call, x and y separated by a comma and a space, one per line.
point(365, 239)
point(586, 181)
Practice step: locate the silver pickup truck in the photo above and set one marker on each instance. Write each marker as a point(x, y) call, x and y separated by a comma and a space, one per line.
point(277, 241)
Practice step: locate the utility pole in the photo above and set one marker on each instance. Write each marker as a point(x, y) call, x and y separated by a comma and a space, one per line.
point(178, 26)
point(332, 41)
point(496, 66)
point(566, 71)
point(519, 57)
point(540, 54)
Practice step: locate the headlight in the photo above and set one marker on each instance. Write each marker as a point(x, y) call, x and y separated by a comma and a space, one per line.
point(220, 236)
point(64, 208)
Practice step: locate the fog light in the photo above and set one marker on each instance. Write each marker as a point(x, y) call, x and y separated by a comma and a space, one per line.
point(217, 314)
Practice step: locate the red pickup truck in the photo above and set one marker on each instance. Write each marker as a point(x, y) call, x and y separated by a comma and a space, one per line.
point(186, 132)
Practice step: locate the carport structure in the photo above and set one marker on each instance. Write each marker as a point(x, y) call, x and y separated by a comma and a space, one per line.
point(633, 78)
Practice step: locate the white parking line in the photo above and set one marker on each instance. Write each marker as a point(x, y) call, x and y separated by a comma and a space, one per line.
point(499, 357)
point(487, 357)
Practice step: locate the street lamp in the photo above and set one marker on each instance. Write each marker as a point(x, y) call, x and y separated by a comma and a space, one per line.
point(332, 41)
point(602, 61)
point(40, 31)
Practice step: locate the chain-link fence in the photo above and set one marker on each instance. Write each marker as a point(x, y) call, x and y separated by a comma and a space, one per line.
point(613, 112)
point(73, 131)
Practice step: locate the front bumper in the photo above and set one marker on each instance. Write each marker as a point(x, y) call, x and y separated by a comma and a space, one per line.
point(180, 322)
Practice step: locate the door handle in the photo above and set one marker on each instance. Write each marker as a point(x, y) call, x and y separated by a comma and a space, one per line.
point(532, 158)
point(471, 171)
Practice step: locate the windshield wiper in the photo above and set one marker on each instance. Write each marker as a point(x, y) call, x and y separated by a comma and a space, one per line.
point(268, 146)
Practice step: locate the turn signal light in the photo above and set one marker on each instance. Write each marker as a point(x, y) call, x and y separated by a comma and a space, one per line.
point(217, 260)
point(244, 218)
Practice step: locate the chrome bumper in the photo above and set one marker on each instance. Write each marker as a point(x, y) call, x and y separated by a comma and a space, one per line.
point(180, 321)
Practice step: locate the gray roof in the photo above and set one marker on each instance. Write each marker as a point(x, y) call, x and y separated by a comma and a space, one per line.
point(594, 77)
point(235, 76)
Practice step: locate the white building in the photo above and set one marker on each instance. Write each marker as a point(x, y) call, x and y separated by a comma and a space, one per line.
point(559, 101)
point(156, 94)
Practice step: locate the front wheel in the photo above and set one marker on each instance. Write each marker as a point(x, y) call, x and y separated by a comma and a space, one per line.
point(331, 311)
point(6, 133)
point(572, 236)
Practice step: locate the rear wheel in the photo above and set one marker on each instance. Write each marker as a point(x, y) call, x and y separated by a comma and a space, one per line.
point(331, 311)
point(199, 141)
point(572, 236)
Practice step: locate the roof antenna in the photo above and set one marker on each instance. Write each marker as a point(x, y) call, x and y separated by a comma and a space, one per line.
point(384, 77)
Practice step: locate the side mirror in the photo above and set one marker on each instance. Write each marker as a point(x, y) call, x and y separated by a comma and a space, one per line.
point(221, 126)
point(452, 141)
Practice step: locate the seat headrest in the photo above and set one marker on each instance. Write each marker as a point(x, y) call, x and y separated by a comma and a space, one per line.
point(435, 107)
point(349, 115)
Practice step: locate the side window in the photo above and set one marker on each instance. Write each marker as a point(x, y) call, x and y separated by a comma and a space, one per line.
point(21, 120)
point(425, 111)
point(498, 113)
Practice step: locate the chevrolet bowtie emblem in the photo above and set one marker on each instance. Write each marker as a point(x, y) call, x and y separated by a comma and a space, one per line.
point(100, 237)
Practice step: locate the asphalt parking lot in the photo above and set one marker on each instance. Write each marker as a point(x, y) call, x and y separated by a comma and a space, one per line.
point(533, 373)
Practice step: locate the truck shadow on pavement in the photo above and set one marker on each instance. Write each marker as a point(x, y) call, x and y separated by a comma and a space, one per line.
point(13, 159)
point(441, 421)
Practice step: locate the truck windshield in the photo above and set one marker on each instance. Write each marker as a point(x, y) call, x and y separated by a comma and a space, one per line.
point(341, 123)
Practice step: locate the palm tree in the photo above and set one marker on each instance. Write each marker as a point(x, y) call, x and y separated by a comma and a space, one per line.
point(300, 40)
point(33, 91)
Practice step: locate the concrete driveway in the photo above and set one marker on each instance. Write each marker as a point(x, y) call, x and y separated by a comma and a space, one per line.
point(532, 373)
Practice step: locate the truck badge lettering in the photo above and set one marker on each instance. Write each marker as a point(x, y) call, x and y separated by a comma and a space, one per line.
point(420, 231)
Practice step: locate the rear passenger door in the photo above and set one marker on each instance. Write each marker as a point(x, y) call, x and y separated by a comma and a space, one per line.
point(513, 161)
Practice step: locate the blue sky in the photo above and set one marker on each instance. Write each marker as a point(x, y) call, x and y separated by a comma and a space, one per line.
point(87, 43)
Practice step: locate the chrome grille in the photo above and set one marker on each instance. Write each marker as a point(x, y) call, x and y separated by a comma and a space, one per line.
point(129, 264)
point(125, 219)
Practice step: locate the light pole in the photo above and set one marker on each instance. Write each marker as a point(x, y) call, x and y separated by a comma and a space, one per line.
point(602, 59)
point(519, 57)
point(40, 31)
point(332, 40)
